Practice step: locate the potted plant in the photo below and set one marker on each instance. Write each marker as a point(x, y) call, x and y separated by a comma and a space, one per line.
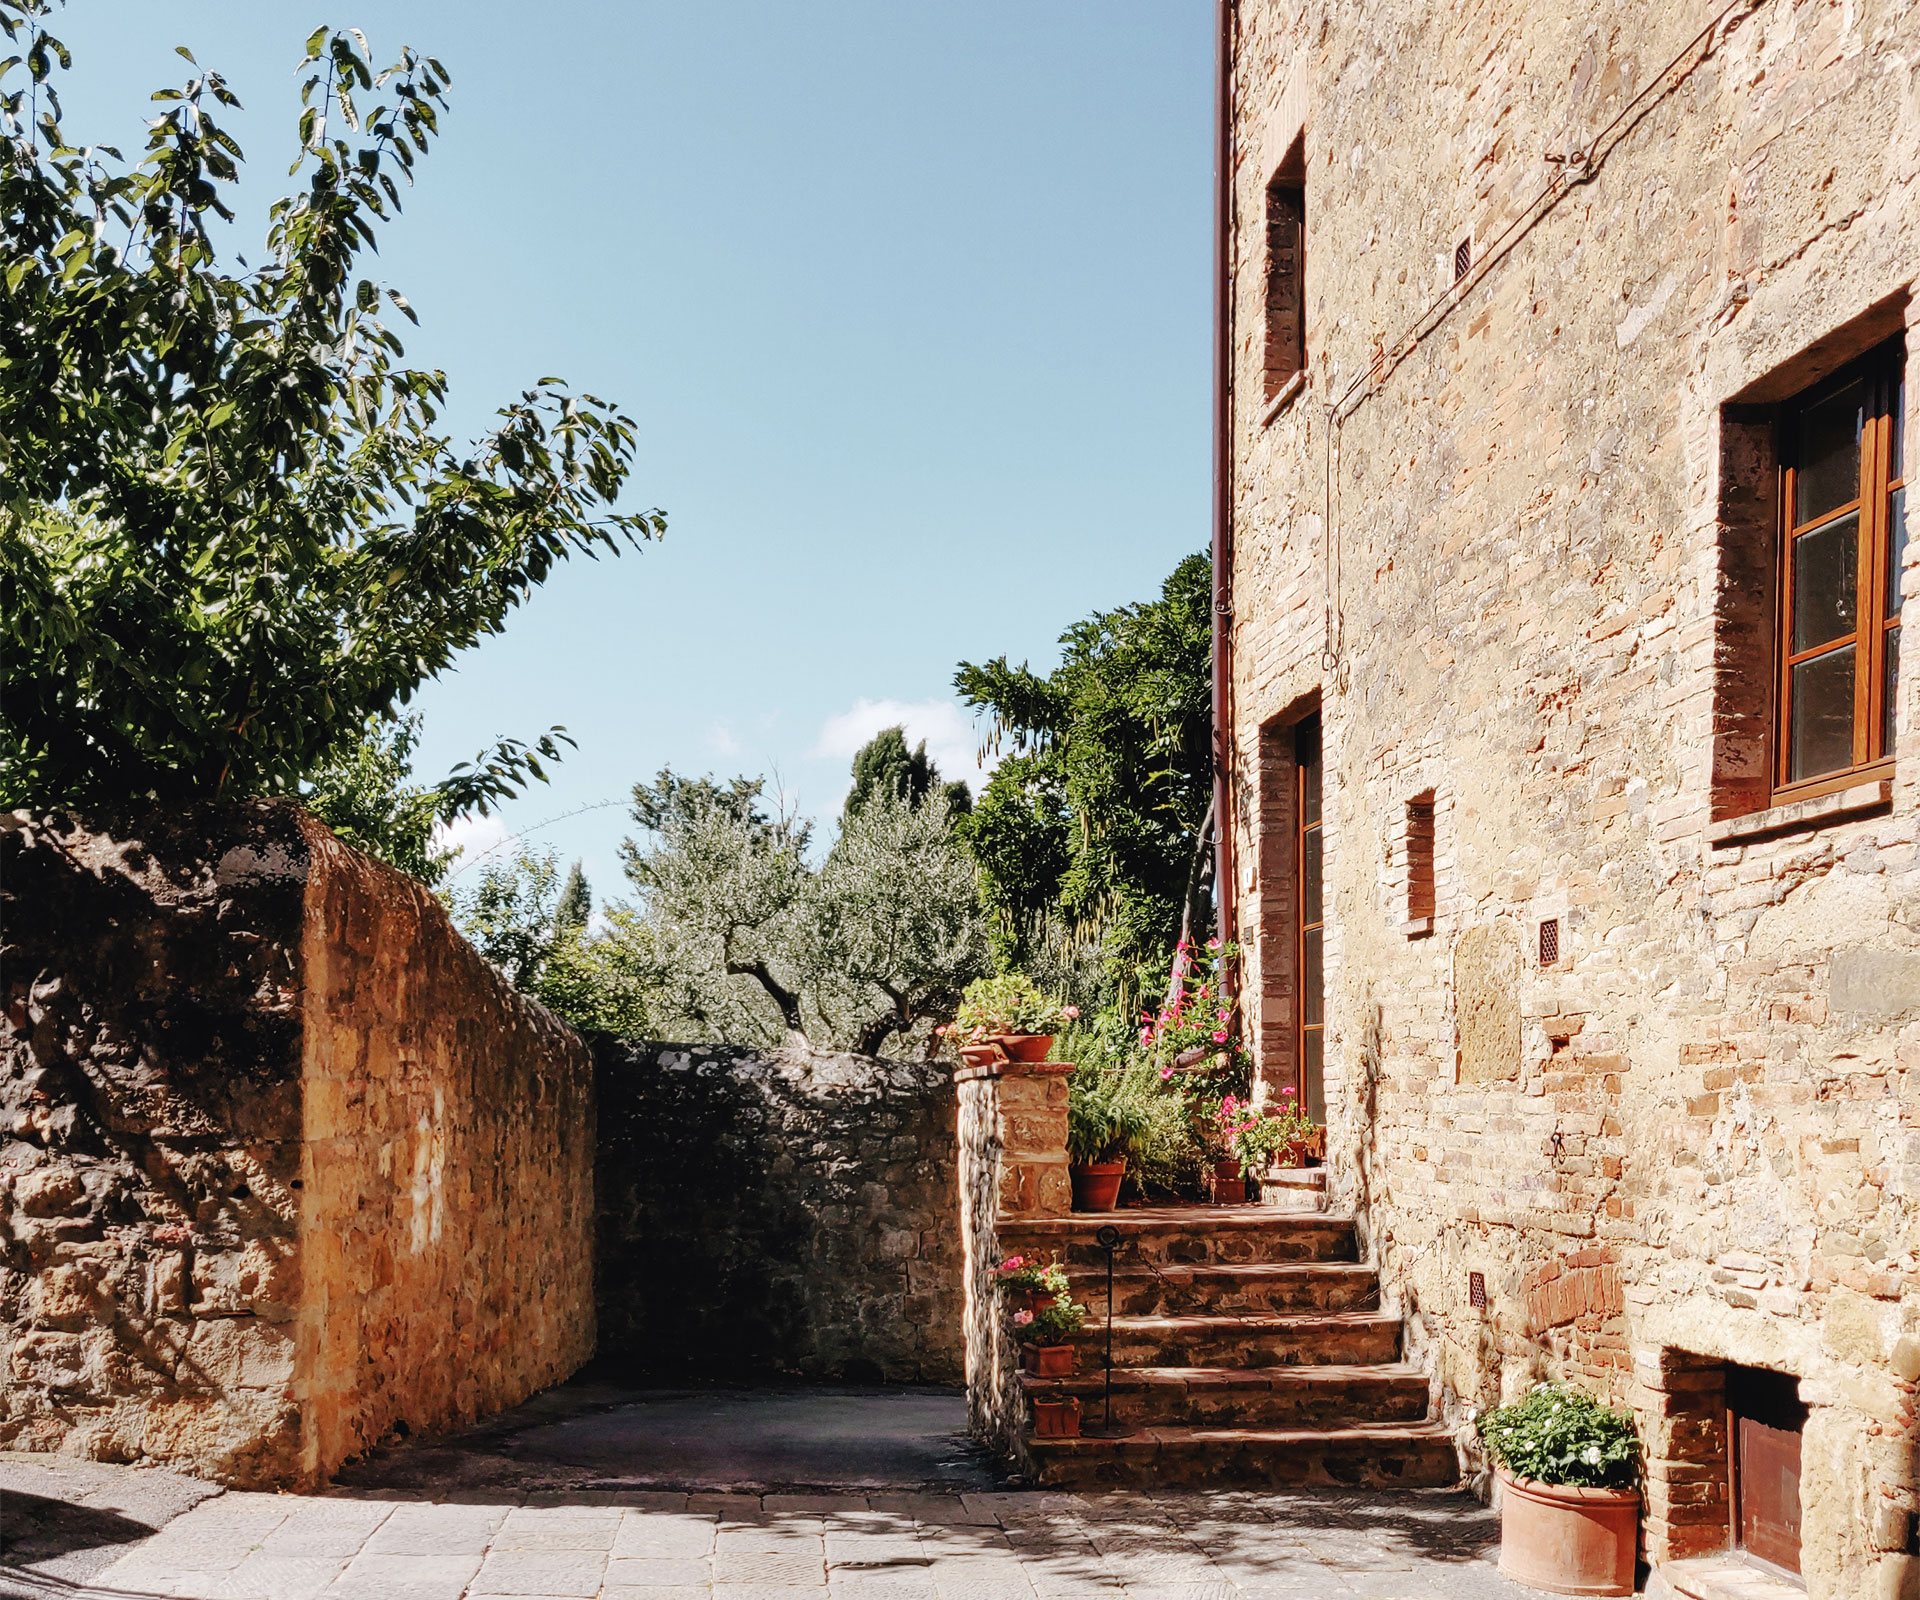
point(1104, 1116)
point(1569, 1502)
point(1043, 1336)
point(1056, 1419)
point(1010, 1015)
point(1030, 1283)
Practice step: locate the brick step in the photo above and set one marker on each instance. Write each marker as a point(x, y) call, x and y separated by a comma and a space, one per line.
point(1403, 1455)
point(1326, 1396)
point(1186, 1235)
point(1245, 1339)
point(1237, 1286)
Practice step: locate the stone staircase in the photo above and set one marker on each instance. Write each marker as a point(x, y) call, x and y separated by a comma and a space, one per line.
point(1248, 1348)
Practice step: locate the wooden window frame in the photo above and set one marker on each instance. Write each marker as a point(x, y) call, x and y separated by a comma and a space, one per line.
point(1882, 368)
point(1285, 283)
point(1309, 728)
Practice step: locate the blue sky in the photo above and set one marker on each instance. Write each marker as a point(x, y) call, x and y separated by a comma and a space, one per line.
point(909, 300)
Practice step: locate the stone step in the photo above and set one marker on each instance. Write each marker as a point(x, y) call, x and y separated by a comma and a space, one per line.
point(1245, 1339)
point(1323, 1396)
point(1237, 1286)
point(1186, 1235)
point(1377, 1455)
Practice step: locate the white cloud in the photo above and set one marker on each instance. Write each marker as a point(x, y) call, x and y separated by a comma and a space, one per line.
point(951, 739)
point(473, 836)
point(720, 738)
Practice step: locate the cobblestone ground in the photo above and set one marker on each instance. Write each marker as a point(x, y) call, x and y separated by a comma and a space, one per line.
point(639, 1545)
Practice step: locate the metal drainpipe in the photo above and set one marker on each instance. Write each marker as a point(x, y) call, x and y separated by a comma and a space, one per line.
point(1227, 923)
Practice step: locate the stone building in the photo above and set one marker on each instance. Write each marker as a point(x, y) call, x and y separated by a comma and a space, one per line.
point(1575, 791)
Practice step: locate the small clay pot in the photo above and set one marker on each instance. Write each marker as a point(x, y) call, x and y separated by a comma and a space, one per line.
point(1048, 1360)
point(1056, 1419)
point(1096, 1185)
point(1229, 1184)
point(1024, 1046)
point(1567, 1540)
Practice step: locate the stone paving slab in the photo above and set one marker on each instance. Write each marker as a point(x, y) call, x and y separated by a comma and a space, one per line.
point(656, 1545)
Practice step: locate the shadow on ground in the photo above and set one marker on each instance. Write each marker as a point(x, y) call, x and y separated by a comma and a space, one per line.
point(590, 1435)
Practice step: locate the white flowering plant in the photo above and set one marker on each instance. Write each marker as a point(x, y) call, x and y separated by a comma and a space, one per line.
point(1557, 1435)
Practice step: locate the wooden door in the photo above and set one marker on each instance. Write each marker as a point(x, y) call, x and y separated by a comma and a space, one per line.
point(1765, 1417)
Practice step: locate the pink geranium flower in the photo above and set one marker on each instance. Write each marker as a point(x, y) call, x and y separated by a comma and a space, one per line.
point(1022, 1318)
point(1166, 1072)
point(1219, 1038)
point(1069, 1011)
point(1288, 1092)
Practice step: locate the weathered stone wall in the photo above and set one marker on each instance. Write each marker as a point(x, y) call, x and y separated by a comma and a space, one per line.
point(776, 1215)
point(446, 1221)
point(1013, 1168)
point(286, 1164)
point(1516, 568)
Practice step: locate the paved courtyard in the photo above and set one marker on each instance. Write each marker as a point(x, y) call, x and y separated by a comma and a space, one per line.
point(653, 1545)
point(563, 1498)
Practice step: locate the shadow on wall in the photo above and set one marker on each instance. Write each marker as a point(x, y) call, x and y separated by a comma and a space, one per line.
point(778, 1214)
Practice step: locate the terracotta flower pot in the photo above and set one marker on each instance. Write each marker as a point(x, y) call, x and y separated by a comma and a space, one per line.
point(1048, 1360)
point(1096, 1185)
point(1056, 1419)
point(1293, 1155)
point(1031, 1299)
point(1025, 1046)
point(1229, 1184)
point(1567, 1540)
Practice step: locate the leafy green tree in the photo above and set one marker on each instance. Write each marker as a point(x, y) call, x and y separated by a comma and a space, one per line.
point(897, 932)
point(1093, 833)
point(757, 946)
point(367, 796)
point(884, 765)
point(607, 980)
point(230, 531)
point(575, 907)
point(509, 914)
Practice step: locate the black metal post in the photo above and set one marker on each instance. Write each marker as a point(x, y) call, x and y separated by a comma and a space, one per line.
point(1108, 1238)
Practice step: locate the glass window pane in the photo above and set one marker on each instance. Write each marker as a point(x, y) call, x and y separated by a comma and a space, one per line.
point(1898, 411)
point(1896, 546)
point(1313, 1074)
point(1826, 571)
point(1310, 876)
point(1312, 1007)
point(1826, 453)
point(1891, 684)
point(1822, 736)
point(1306, 751)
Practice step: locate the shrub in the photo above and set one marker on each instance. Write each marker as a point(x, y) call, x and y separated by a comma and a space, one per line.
point(1051, 1324)
point(1031, 1275)
point(1106, 1112)
point(1012, 1003)
point(1557, 1435)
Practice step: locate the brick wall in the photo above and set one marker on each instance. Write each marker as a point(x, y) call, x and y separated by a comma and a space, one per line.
point(287, 1164)
point(776, 1214)
point(1520, 570)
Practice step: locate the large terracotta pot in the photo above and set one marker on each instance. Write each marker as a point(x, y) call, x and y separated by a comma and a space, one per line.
point(1048, 1360)
point(1566, 1540)
point(1024, 1046)
point(1229, 1184)
point(1096, 1185)
point(1056, 1419)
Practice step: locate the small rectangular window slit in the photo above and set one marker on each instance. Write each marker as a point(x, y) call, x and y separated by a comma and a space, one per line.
point(1462, 259)
point(1420, 880)
point(1550, 942)
point(1477, 1289)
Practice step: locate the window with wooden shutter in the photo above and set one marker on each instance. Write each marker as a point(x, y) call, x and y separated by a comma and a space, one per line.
point(1286, 274)
point(1843, 541)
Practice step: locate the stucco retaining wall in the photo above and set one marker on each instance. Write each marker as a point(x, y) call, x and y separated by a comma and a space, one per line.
point(287, 1167)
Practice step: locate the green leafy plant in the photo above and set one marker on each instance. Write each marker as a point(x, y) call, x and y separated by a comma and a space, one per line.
point(1106, 1113)
point(1054, 1323)
point(1558, 1435)
point(1011, 1003)
point(1031, 1275)
point(1094, 832)
point(231, 531)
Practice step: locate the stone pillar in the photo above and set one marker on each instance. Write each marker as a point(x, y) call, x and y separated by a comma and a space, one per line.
point(1682, 1406)
point(1013, 1167)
